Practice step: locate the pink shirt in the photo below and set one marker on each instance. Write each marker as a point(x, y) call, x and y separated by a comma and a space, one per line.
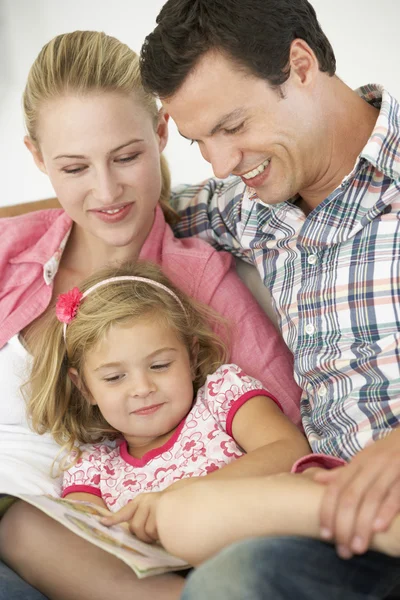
point(30, 249)
point(202, 443)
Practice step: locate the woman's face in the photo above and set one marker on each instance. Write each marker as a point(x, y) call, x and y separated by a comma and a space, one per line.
point(101, 152)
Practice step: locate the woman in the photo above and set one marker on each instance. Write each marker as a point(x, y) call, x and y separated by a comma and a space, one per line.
point(99, 137)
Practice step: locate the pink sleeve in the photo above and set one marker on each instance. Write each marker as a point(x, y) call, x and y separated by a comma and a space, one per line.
point(84, 475)
point(226, 390)
point(322, 461)
point(257, 347)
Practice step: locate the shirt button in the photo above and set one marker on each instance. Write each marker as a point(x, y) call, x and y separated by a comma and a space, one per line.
point(312, 259)
point(271, 244)
point(322, 392)
point(310, 329)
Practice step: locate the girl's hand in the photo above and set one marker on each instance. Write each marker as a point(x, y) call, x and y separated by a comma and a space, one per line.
point(361, 498)
point(140, 514)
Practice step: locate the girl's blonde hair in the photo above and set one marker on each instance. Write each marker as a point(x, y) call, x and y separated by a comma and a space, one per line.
point(82, 62)
point(55, 404)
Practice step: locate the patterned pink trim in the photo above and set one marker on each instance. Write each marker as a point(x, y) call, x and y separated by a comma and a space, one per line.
point(141, 462)
point(87, 489)
point(240, 401)
point(322, 461)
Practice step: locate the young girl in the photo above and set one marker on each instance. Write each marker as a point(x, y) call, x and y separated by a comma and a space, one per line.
point(135, 370)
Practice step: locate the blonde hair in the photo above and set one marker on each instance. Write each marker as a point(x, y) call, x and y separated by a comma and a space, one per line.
point(55, 404)
point(89, 61)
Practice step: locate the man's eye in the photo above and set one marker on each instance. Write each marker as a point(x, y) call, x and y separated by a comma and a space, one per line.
point(234, 129)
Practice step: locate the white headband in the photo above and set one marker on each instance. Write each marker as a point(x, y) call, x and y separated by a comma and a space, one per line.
point(67, 304)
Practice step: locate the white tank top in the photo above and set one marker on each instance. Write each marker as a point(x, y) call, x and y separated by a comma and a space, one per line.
point(26, 458)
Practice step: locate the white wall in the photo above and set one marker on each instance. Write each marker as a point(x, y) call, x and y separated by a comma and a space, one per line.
point(364, 34)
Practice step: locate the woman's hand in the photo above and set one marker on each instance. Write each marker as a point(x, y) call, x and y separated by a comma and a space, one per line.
point(363, 497)
point(140, 515)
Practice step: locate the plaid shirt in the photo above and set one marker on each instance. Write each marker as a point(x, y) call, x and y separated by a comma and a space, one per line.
point(334, 277)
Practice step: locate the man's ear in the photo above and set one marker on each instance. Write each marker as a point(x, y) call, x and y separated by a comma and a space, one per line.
point(77, 381)
point(37, 156)
point(302, 61)
point(162, 128)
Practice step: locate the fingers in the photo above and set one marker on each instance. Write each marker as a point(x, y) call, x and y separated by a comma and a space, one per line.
point(333, 495)
point(356, 498)
point(381, 493)
point(121, 516)
point(325, 476)
point(143, 525)
point(389, 508)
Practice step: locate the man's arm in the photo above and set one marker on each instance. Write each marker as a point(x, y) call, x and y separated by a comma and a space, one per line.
point(212, 211)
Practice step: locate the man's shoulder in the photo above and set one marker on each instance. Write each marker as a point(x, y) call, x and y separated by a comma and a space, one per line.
point(209, 189)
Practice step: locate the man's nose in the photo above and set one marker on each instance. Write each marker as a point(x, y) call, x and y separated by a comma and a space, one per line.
point(223, 157)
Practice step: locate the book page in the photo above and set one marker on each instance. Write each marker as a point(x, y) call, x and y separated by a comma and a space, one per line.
point(83, 518)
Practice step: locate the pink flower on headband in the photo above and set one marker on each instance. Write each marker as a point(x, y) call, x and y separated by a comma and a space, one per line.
point(67, 305)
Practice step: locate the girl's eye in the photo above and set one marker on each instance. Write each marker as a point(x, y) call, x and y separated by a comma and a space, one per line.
point(73, 170)
point(234, 129)
point(113, 378)
point(161, 366)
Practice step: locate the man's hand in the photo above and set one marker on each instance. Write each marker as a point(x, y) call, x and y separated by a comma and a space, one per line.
point(363, 497)
point(140, 514)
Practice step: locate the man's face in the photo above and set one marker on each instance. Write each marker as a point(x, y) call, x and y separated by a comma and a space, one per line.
point(245, 127)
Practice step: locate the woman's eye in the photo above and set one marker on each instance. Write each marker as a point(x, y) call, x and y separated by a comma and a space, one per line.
point(128, 159)
point(72, 171)
point(234, 129)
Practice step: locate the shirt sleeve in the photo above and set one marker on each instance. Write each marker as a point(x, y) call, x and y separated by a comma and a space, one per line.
point(255, 344)
point(226, 390)
point(211, 211)
point(84, 475)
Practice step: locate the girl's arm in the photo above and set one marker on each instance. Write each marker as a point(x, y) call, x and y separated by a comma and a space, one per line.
point(271, 442)
point(259, 427)
point(197, 522)
point(86, 497)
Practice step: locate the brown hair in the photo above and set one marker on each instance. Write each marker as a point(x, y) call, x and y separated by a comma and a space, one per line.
point(255, 34)
point(55, 404)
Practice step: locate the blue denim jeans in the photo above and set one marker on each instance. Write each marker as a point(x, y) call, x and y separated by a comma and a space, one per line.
point(291, 569)
point(12, 587)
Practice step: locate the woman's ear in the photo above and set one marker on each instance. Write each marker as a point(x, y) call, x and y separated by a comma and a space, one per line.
point(162, 128)
point(37, 155)
point(77, 381)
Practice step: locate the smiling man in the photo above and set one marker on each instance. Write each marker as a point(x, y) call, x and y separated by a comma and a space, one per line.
point(315, 205)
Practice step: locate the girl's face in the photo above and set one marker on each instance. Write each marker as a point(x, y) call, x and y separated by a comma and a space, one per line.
point(140, 377)
point(102, 154)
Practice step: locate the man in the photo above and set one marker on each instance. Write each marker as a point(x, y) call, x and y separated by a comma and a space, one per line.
point(316, 206)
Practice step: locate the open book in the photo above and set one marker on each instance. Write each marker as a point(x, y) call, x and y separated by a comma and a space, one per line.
point(83, 519)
